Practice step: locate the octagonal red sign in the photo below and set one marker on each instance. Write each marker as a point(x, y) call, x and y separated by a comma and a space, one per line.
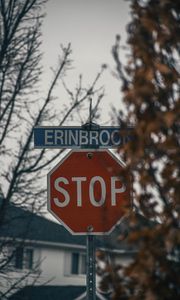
point(89, 191)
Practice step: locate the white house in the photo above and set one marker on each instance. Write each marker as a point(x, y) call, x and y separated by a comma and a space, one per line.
point(44, 254)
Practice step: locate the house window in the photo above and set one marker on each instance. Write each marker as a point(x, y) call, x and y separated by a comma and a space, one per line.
point(19, 258)
point(74, 263)
point(78, 263)
point(28, 259)
point(23, 258)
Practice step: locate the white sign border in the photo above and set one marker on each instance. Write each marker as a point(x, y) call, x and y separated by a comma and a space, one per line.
point(118, 160)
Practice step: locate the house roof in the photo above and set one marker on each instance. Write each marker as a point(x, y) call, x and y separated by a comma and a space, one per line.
point(48, 293)
point(22, 224)
point(54, 293)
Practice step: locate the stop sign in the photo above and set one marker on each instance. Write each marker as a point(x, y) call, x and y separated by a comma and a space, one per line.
point(88, 191)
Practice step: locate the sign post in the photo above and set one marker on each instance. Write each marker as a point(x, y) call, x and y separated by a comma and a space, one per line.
point(91, 268)
point(88, 182)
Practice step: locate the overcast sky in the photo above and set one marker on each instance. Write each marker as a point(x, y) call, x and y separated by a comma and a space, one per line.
point(90, 26)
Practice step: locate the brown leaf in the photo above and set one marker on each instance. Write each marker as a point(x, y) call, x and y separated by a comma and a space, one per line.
point(162, 68)
point(169, 118)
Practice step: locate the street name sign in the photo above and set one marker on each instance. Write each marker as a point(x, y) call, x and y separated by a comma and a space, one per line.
point(89, 191)
point(79, 137)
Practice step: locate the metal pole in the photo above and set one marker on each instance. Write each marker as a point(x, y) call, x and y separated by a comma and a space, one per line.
point(90, 248)
point(91, 272)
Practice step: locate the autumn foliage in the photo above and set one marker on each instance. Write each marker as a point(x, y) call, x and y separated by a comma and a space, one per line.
point(150, 85)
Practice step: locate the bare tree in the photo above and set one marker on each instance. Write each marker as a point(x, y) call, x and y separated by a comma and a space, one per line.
point(23, 106)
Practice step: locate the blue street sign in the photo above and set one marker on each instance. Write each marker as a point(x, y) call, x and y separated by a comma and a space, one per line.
point(80, 137)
